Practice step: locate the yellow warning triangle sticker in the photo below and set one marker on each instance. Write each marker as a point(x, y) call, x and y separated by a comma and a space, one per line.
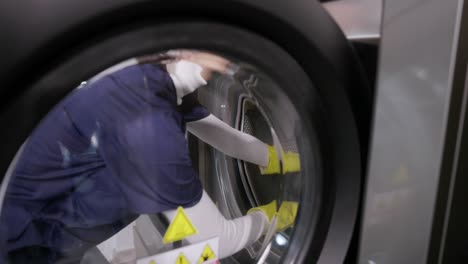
point(181, 259)
point(180, 228)
point(207, 254)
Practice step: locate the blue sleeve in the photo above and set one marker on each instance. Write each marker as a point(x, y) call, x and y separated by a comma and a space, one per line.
point(150, 158)
point(191, 109)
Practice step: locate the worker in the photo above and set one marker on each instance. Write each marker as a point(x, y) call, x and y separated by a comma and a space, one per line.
point(115, 149)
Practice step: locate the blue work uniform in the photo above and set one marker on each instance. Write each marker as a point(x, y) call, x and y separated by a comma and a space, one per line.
point(110, 151)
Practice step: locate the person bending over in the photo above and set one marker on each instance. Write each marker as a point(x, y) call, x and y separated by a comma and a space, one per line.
point(115, 149)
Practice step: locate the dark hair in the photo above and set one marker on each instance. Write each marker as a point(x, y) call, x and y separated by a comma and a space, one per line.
point(158, 58)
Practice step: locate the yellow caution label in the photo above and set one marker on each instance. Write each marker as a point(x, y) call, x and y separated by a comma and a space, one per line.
point(152, 262)
point(181, 259)
point(180, 228)
point(207, 254)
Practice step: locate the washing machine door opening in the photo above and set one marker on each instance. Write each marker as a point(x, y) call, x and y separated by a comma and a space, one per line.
point(252, 103)
point(291, 102)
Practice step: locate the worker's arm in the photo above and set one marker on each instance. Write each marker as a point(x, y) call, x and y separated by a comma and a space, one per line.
point(234, 234)
point(230, 141)
point(242, 146)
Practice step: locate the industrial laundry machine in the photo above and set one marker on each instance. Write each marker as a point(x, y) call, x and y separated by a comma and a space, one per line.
point(370, 94)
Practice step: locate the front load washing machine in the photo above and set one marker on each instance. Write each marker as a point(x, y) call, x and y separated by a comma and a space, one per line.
point(299, 85)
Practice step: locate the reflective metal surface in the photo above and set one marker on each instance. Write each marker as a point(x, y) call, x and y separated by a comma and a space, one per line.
point(360, 20)
point(413, 92)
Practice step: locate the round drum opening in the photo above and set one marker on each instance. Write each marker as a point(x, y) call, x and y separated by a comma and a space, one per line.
point(55, 194)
